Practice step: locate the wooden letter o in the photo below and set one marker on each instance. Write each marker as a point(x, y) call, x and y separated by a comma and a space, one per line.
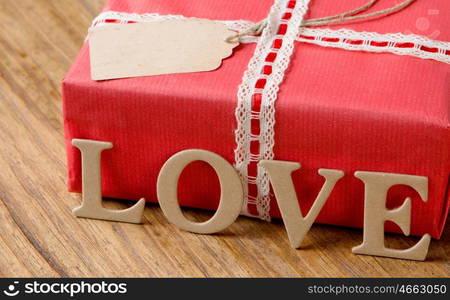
point(231, 198)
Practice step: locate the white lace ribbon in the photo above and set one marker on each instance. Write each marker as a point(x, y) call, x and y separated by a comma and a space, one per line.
point(396, 43)
point(266, 86)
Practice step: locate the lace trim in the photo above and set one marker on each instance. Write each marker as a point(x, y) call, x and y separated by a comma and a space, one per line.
point(396, 43)
point(284, 26)
point(257, 94)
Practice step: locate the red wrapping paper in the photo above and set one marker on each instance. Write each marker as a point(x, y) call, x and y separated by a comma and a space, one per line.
point(336, 109)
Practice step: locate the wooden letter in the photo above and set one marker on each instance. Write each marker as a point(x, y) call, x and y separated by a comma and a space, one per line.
point(375, 214)
point(231, 199)
point(280, 176)
point(92, 187)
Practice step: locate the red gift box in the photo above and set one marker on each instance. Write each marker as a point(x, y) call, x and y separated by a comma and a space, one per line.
point(336, 109)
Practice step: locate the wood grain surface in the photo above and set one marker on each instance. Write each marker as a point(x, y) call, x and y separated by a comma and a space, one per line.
point(38, 234)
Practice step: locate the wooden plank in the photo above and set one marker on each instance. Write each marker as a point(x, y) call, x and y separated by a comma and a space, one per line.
point(40, 237)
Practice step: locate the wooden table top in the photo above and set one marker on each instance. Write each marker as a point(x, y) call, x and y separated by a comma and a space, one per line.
point(38, 234)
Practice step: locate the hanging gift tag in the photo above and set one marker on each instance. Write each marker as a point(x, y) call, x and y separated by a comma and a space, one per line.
point(155, 48)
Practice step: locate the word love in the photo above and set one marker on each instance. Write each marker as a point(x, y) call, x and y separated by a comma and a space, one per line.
point(232, 199)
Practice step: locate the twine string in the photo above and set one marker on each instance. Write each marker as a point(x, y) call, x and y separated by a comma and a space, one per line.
point(345, 14)
point(349, 16)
